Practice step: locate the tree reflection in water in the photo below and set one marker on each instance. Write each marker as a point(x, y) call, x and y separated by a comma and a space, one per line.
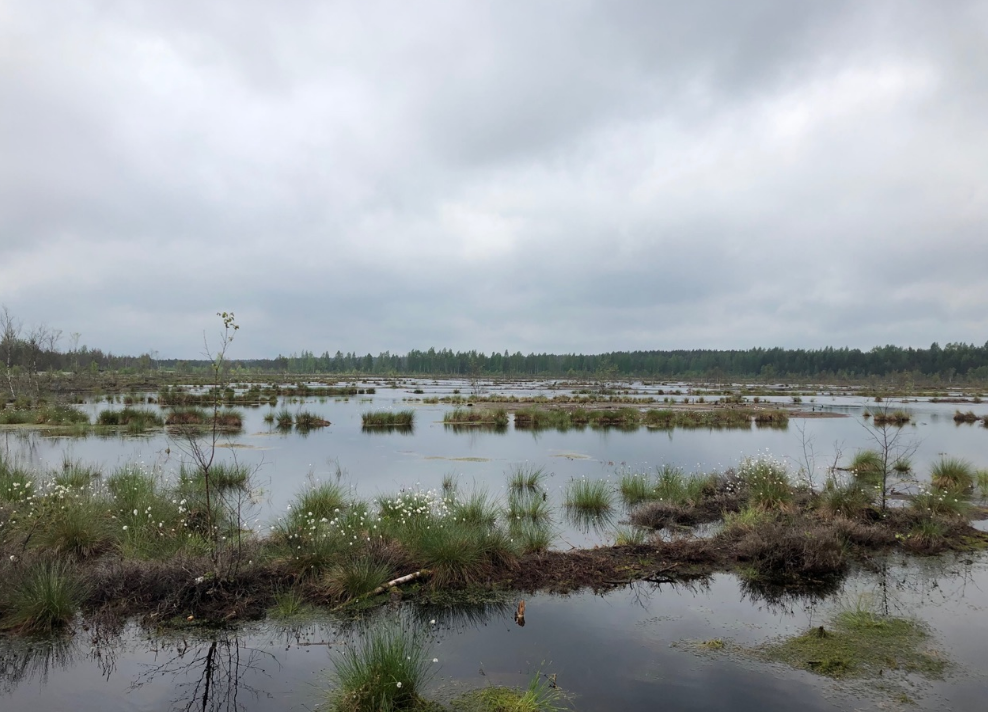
point(211, 675)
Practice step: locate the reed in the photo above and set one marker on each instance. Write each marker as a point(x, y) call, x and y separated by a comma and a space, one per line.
point(388, 419)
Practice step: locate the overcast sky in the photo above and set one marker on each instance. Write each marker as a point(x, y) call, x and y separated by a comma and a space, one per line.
point(536, 176)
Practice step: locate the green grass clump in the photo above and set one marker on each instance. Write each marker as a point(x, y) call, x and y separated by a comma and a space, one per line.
point(385, 670)
point(525, 507)
point(941, 503)
point(16, 416)
point(457, 541)
point(288, 604)
point(532, 536)
point(228, 419)
point(306, 420)
point(321, 526)
point(745, 521)
point(472, 416)
point(542, 419)
point(453, 553)
point(388, 419)
point(223, 477)
point(952, 474)
point(148, 524)
point(896, 417)
point(323, 500)
point(594, 497)
point(847, 499)
point(284, 419)
point(43, 598)
point(475, 510)
point(16, 483)
point(187, 416)
point(631, 536)
point(75, 475)
point(929, 534)
point(60, 415)
point(356, 576)
point(868, 467)
point(136, 419)
point(981, 479)
point(628, 418)
point(43, 415)
point(766, 482)
point(902, 465)
point(76, 522)
point(636, 488)
point(527, 479)
point(670, 485)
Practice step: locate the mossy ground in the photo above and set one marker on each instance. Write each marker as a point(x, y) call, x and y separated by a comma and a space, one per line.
point(862, 644)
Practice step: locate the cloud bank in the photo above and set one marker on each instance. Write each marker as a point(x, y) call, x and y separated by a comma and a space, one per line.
point(537, 176)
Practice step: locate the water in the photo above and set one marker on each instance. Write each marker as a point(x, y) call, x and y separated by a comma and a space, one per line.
point(381, 462)
point(631, 649)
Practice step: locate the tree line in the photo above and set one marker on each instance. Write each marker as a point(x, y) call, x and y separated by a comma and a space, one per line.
point(953, 362)
point(28, 353)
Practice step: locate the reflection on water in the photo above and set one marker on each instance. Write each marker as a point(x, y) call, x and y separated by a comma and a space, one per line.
point(599, 523)
point(623, 650)
point(220, 674)
point(25, 662)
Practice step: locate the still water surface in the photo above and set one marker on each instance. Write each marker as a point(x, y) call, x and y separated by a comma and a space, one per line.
point(631, 649)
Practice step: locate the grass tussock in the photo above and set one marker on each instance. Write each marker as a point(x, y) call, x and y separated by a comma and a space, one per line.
point(43, 598)
point(594, 497)
point(868, 467)
point(388, 419)
point(846, 499)
point(385, 669)
point(527, 479)
point(52, 415)
point(952, 474)
point(630, 418)
point(195, 417)
point(765, 482)
point(631, 536)
point(497, 417)
point(936, 503)
point(897, 418)
point(981, 479)
point(134, 419)
point(290, 603)
point(356, 576)
point(306, 420)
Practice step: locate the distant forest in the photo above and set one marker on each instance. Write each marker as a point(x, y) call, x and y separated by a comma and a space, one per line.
point(42, 349)
point(954, 363)
point(946, 364)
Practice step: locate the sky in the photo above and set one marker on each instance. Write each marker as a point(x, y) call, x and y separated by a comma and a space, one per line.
point(536, 176)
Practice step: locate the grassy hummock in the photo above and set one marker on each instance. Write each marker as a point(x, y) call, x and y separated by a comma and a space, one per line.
point(385, 669)
point(388, 419)
point(861, 643)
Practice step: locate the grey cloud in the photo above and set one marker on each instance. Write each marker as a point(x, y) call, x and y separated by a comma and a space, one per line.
point(534, 176)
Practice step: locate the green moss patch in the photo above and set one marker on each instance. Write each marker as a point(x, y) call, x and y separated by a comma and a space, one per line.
point(861, 644)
